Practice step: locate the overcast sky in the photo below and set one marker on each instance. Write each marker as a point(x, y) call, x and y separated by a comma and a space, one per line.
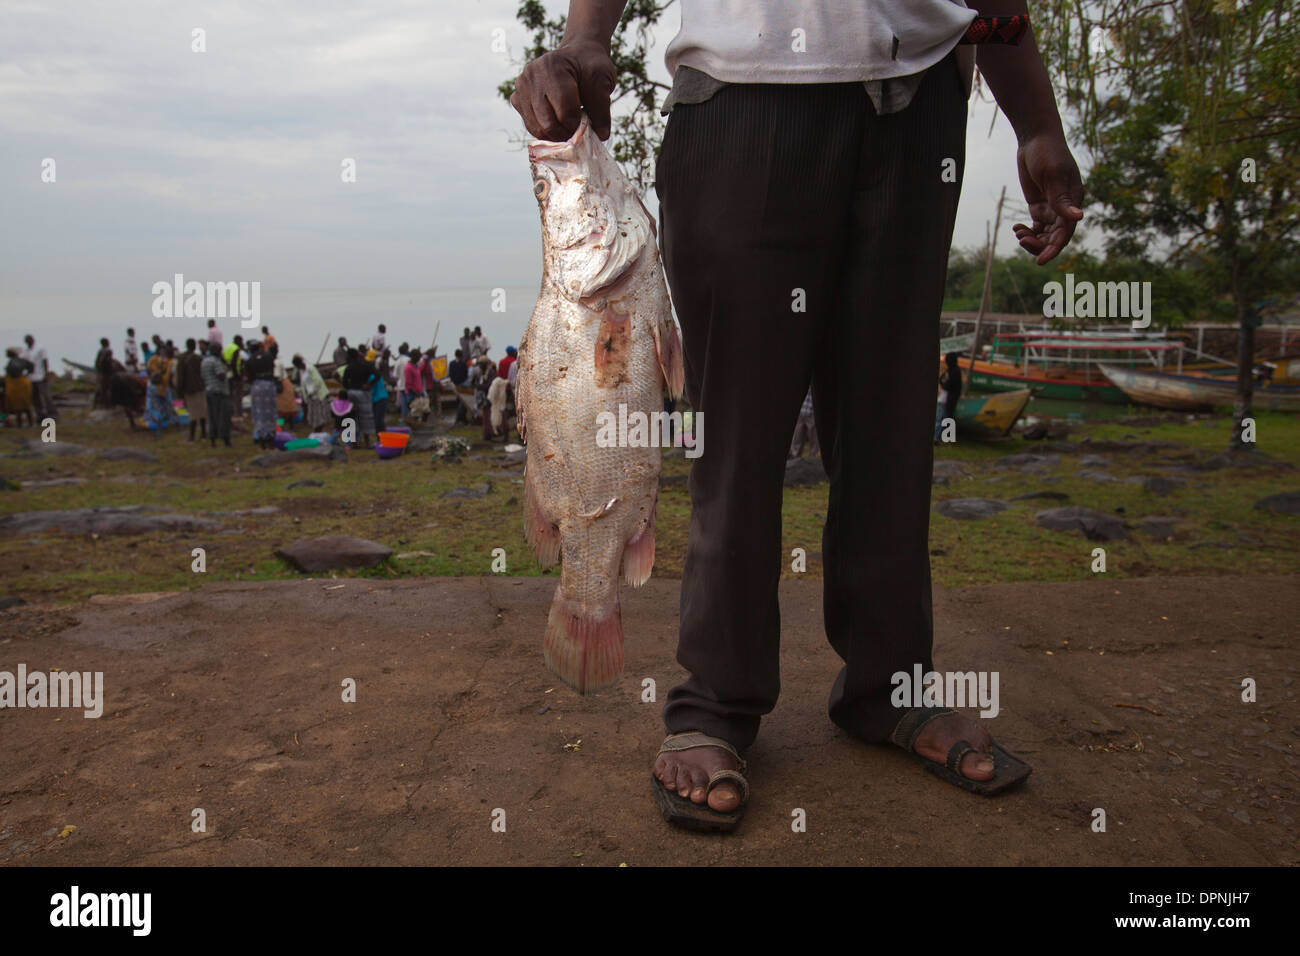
point(226, 164)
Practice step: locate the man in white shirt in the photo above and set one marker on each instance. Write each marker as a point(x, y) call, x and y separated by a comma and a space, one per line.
point(399, 374)
point(479, 344)
point(131, 352)
point(39, 376)
point(809, 154)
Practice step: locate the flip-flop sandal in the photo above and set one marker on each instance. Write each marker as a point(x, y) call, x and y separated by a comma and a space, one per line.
point(681, 811)
point(1008, 769)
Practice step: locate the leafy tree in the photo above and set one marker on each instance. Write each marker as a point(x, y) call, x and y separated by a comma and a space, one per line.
point(1191, 110)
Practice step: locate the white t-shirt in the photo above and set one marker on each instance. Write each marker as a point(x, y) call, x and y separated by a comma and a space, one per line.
point(819, 41)
point(38, 358)
point(399, 367)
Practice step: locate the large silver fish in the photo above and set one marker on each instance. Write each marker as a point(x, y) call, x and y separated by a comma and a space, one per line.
point(601, 336)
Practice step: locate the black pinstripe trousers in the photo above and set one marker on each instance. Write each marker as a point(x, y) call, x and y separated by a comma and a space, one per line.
point(805, 238)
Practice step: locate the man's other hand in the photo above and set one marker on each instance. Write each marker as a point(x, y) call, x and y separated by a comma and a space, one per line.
point(1053, 189)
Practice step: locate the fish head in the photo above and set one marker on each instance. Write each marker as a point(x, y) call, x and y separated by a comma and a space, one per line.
point(594, 225)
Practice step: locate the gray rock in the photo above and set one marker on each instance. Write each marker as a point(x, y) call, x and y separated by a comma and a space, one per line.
point(319, 453)
point(970, 509)
point(34, 446)
point(54, 482)
point(310, 555)
point(804, 472)
point(1094, 461)
point(1097, 475)
point(477, 491)
point(305, 483)
point(1028, 463)
point(949, 469)
point(1159, 485)
point(126, 454)
point(1049, 495)
point(129, 519)
point(1158, 526)
point(11, 601)
point(1095, 525)
point(1285, 503)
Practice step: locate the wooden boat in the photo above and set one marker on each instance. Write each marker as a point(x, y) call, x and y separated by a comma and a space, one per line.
point(991, 416)
point(1285, 370)
point(1198, 392)
point(1066, 365)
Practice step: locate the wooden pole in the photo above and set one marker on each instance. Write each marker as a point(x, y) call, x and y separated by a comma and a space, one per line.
point(324, 346)
point(992, 239)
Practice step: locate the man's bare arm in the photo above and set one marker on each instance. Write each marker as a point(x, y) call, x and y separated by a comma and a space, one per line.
point(1049, 175)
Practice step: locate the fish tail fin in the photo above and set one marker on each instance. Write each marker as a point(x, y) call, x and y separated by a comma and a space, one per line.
point(542, 534)
point(583, 650)
point(669, 346)
point(639, 553)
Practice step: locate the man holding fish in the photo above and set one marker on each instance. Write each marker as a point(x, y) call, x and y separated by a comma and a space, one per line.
point(808, 184)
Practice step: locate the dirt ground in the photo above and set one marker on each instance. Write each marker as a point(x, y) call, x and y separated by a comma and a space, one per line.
point(229, 699)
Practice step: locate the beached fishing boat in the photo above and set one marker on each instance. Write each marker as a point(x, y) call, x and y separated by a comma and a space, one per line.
point(991, 416)
point(1196, 392)
point(1066, 365)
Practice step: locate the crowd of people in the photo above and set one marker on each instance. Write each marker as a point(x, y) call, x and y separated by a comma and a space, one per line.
point(366, 388)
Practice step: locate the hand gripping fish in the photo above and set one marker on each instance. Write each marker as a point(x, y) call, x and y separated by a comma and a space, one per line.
point(601, 336)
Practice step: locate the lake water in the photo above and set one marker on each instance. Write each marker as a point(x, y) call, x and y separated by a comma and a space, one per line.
point(70, 326)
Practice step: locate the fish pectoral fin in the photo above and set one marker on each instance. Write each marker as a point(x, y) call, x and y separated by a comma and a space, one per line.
point(668, 346)
point(603, 510)
point(541, 532)
point(639, 553)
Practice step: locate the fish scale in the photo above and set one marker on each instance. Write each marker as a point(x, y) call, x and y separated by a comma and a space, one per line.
point(601, 340)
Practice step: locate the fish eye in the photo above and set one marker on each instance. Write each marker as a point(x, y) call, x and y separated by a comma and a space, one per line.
point(541, 188)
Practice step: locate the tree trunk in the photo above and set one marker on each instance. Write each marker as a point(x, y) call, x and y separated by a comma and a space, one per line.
point(1241, 409)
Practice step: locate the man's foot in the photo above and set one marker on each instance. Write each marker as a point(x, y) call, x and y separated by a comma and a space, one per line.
point(687, 773)
point(938, 736)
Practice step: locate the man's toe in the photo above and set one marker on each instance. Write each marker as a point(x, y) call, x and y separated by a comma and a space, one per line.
point(667, 772)
point(977, 766)
point(684, 782)
point(724, 797)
